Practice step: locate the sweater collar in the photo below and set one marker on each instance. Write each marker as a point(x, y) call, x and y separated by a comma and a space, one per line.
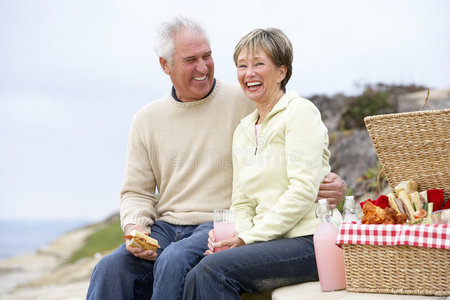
point(174, 94)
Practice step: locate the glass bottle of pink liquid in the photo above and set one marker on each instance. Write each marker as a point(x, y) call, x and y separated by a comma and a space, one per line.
point(329, 256)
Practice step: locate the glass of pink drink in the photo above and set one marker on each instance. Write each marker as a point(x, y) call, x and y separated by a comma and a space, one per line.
point(223, 226)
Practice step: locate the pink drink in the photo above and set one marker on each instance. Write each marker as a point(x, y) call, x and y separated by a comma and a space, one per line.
point(329, 258)
point(223, 231)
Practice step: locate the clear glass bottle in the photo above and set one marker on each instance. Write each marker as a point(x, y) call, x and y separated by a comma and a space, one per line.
point(349, 211)
point(329, 256)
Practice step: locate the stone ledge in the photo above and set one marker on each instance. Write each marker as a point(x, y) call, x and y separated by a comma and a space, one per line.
point(311, 290)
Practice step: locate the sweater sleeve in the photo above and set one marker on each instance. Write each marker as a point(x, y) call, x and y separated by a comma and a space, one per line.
point(137, 205)
point(305, 140)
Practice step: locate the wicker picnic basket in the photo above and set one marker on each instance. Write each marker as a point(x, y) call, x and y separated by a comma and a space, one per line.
point(414, 145)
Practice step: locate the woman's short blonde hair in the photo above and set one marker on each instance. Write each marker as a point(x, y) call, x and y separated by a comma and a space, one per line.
point(275, 43)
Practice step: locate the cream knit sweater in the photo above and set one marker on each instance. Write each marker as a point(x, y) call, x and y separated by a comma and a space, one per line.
point(182, 149)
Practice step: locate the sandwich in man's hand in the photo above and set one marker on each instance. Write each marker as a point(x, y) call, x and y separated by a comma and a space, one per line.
point(138, 239)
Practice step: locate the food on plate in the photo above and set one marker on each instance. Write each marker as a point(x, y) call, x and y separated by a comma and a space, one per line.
point(415, 199)
point(401, 218)
point(421, 213)
point(441, 216)
point(376, 215)
point(405, 205)
point(423, 196)
point(401, 206)
point(392, 202)
point(390, 216)
point(138, 239)
point(403, 195)
point(372, 214)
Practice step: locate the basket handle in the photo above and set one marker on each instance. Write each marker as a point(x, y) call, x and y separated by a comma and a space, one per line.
point(379, 179)
point(426, 101)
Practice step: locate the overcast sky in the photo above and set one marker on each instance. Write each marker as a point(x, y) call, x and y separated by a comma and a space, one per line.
point(73, 73)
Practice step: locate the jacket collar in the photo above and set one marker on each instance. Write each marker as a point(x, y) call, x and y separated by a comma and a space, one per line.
point(281, 105)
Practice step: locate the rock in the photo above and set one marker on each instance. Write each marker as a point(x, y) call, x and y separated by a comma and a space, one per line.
point(352, 153)
point(331, 109)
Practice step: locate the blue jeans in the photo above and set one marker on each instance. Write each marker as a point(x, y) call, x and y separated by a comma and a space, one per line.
point(252, 268)
point(121, 275)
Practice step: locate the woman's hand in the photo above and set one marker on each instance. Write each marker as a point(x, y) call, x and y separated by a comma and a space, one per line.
point(232, 243)
point(333, 189)
point(211, 240)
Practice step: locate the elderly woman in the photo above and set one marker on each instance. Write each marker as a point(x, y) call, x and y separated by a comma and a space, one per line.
point(280, 155)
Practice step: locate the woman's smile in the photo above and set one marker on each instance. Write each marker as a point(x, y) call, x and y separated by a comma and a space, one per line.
point(258, 76)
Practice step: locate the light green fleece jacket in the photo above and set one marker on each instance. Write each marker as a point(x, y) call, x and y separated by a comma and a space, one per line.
point(276, 181)
point(182, 149)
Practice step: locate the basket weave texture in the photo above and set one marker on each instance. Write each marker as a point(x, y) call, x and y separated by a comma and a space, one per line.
point(410, 146)
point(407, 270)
point(414, 146)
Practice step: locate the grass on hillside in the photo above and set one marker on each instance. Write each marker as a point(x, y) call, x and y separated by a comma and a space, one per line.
point(104, 239)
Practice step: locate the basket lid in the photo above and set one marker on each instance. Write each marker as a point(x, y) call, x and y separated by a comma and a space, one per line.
point(414, 146)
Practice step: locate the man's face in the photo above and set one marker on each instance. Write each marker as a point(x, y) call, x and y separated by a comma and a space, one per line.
point(192, 68)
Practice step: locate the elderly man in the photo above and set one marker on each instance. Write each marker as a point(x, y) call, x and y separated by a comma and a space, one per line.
point(180, 145)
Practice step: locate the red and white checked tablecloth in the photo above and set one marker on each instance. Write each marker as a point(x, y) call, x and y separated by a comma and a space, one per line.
point(431, 236)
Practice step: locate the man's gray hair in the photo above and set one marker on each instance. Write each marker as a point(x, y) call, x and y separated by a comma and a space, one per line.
point(164, 46)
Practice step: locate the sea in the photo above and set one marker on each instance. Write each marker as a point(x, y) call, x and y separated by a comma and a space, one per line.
point(24, 236)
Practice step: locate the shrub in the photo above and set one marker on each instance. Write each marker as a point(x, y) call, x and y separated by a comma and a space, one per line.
point(371, 102)
point(104, 239)
point(376, 99)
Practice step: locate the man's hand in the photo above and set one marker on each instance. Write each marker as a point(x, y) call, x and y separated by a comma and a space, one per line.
point(232, 243)
point(136, 251)
point(333, 189)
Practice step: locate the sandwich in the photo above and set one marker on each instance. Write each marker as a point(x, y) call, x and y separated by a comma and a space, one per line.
point(403, 195)
point(415, 199)
point(392, 203)
point(423, 196)
point(408, 186)
point(138, 239)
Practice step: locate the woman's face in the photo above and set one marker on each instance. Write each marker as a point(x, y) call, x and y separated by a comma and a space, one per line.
point(258, 76)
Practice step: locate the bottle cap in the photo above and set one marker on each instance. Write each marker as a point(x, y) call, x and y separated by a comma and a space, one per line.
point(323, 201)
